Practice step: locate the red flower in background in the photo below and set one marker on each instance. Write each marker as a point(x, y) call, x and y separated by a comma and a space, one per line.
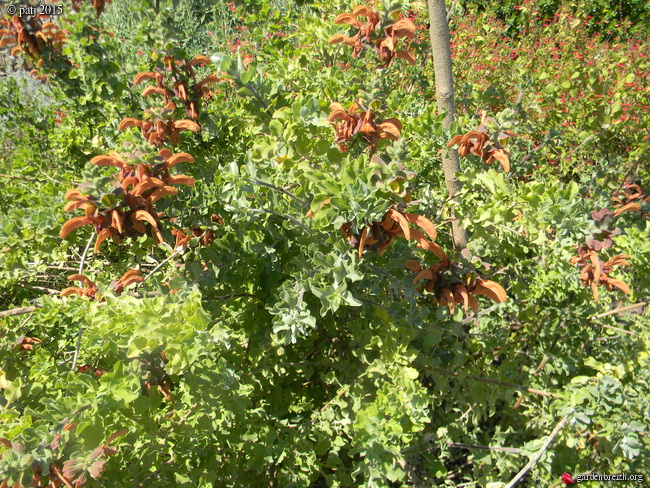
point(568, 480)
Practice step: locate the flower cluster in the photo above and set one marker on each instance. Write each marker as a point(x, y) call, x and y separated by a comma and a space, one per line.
point(379, 235)
point(98, 5)
point(368, 34)
point(480, 143)
point(205, 237)
point(161, 126)
point(182, 83)
point(448, 290)
point(595, 272)
point(630, 199)
point(91, 290)
point(33, 37)
point(129, 210)
point(358, 119)
point(30, 35)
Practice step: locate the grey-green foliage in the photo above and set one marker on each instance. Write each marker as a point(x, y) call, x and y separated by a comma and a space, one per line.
point(197, 24)
point(17, 87)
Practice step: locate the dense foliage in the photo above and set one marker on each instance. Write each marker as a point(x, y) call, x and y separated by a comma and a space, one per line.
point(225, 252)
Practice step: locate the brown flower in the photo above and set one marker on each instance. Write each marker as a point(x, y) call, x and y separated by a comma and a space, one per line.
point(449, 291)
point(595, 272)
point(367, 22)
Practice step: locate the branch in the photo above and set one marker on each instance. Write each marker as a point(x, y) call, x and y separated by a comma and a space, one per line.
point(499, 383)
point(21, 178)
point(271, 212)
point(509, 450)
point(63, 423)
point(617, 310)
point(617, 329)
point(477, 315)
point(281, 190)
point(385, 273)
point(450, 12)
point(235, 295)
point(19, 311)
point(444, 83)
point(538, 455)
point(83, 256)
point(77, 348)
point(49, 291)
point(257, 95)
point(162, 263)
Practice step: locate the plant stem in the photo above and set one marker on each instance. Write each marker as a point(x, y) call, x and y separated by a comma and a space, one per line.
point(492, 381)
point(83, 256)
point(538, 455)
point(162, 263)
point(444, 82)
point(281, 190)
point(617, 310)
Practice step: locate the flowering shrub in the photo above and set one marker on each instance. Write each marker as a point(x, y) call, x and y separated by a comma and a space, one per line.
point(566, 81)
point(282, 303)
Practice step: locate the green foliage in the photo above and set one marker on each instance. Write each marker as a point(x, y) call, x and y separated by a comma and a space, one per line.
point(262, 348)
point(604, 17)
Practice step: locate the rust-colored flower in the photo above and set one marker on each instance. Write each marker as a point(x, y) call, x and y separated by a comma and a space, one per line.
point(480, 143)
point(379, 235)
point(595, 272)
point(449, 291)
point(361, 120)
point(35, 37)
point(183, 237)
point(90, 290)
point(367, 23)
point(27, 343)
point(140, 187)
point(178, 83)
point(630, 199)
point(98, 5)
point(161, 127)
point(75, 471)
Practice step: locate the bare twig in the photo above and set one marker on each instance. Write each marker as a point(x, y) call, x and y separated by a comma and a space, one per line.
point(63, 423)
point(477, 315)
point(62, 268)
point(620, 309)
point(49, 291)
point(77, 348)
point(385, 273)
point(21, 178)
point(541, 365)
point(450, 11)
point(18, 311)
point(235, 295)
point(538, 455)
point(509, 450)
point(257, 95)
point(25, 321)
point(618, 329)
point(281, 190)
point(161, 264)
point(271, 212)
point(65, 481)
point(505, 384)
point(83, 256)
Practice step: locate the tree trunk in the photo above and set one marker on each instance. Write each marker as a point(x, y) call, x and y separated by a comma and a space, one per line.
point(441, 50)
